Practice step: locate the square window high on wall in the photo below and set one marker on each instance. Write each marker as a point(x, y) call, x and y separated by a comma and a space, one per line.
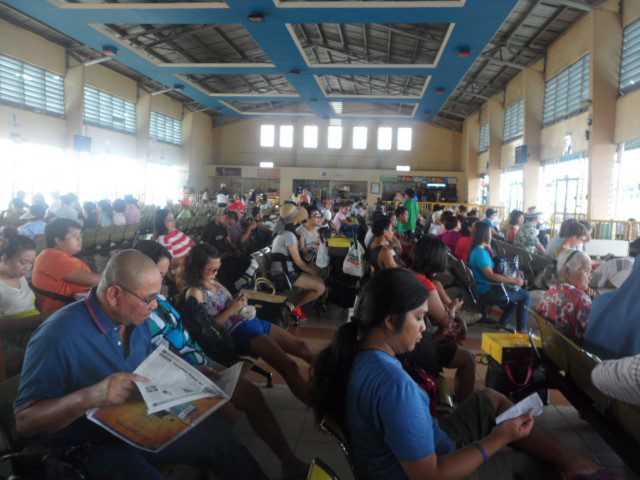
point(630, 65)
point(310, 136)
point(166, 129)
point(286, 136)
point(567, 94)
point(483, 142)
point(359, 138)
point(267, 135)
point(30, 87)
point(385, 138)
point(404, 138)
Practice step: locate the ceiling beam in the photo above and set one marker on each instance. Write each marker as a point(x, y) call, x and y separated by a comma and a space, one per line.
point(497, 61)
point(572, 4)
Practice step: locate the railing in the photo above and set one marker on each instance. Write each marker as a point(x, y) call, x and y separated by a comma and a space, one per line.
point(602, 229)
point(426, 207)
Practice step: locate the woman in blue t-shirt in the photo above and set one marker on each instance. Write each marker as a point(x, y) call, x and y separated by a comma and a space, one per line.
point(358, 381)
point(487, 280)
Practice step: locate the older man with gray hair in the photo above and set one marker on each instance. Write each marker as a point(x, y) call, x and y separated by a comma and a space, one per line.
point(82, 358)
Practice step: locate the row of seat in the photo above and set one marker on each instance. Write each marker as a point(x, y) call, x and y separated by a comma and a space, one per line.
point(568, 368)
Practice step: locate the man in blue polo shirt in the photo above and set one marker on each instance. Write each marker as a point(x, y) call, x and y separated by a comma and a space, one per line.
point(82, 357)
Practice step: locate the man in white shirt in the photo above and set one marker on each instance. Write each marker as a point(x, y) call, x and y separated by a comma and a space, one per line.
point(619, 378)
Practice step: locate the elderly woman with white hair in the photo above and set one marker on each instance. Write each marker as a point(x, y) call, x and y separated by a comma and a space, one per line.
point(567, 303)
point(436, 226)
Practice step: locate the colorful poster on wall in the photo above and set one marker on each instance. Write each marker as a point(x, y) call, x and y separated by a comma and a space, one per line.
point(228, 172)
point(273, 173)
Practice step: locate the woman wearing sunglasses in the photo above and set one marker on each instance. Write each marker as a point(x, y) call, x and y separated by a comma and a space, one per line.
point(250, 334)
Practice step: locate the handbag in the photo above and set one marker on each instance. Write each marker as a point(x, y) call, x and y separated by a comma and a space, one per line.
point(354, 261)
point(509, 267)
point(210, 335)
point(452, 333)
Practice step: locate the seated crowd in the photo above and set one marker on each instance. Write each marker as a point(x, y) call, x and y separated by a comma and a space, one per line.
point(371, 378)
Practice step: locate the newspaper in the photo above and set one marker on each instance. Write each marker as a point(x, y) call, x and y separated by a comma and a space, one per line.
point(177, 398)
point(532, 404)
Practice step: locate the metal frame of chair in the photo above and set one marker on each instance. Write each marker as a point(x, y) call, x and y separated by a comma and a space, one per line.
point(333, 428)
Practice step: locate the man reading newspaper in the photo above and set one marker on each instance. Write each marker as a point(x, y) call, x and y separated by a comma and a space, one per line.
point(82, 358)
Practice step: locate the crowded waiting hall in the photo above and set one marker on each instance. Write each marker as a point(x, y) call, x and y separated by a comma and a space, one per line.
point(319, 239)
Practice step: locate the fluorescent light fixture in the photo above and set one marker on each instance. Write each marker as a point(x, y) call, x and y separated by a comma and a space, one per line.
point(108, 52)
point(436, 185)
point(403, 168)
point(266, 164)
point(177, 88)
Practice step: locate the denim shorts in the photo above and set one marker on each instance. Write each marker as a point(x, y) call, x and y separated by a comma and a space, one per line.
point(247, 331)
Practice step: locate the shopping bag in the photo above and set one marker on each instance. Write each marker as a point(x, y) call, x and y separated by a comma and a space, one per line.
point(322, 258)
point(354, 261)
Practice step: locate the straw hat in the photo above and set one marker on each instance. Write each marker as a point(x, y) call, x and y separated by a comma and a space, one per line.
point(290, 213)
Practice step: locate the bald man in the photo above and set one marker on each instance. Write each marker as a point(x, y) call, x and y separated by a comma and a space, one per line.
point(82, 357)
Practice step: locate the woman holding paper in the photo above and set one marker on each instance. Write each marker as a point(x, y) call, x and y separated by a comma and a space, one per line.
point(358, 382)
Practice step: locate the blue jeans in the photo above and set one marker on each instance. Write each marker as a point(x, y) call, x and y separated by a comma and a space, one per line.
point(211, 445)
point(518, 301)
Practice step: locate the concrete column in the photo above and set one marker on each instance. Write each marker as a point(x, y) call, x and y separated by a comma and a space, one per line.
point(605, 69)
point(496, 127)
point(197, 149)
point(74, 103)
point(533, 111)
point(469, 154)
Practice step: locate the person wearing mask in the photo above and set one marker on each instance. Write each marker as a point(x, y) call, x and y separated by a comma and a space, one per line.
point(119, 207)
point(516, 219)
point(567, 303)
point(359, 383)
point(481, 265)
point(59, 278)
point(36, 224)
point(132, 213)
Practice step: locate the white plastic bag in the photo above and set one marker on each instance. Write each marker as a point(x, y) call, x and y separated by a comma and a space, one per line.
point(354, 261)
point(322, 257)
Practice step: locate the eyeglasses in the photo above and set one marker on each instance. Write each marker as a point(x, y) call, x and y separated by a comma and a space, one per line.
point(146, 301)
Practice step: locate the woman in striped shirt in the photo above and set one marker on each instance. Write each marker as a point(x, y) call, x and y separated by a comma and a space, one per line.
point(166, 234)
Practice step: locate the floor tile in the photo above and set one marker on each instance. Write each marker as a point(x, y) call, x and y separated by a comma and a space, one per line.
point(281, 397)
point(265, 457)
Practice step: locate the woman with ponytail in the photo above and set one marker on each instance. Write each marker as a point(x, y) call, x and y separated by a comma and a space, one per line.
point(358, 381)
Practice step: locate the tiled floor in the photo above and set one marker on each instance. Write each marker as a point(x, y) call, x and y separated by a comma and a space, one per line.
point(560, 419)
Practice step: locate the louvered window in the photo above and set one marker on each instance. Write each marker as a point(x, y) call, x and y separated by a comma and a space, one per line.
point(566, 93)
point(31, 87)
point(483, 144)
point(630, 65)
point(165, 129)
point(106, 110)
point(513, 122)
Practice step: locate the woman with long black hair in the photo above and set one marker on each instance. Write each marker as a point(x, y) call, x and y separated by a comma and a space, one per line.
point(359, 382)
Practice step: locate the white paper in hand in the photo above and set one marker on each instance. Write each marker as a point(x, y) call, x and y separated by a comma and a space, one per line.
point(532, 404)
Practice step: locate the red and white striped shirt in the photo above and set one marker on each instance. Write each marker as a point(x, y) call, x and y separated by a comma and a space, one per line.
point(177, 242)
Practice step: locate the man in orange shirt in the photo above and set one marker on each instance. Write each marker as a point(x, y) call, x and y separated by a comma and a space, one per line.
point(57, 275)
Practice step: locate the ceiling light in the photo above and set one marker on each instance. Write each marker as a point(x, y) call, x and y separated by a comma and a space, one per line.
point(403, 168)
point(255, 17)
point(440, 90)
point(108, 54)
point(464, 52)
point(266, 164)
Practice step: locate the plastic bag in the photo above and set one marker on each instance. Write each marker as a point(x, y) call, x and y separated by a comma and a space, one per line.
point(322, 257)
point(354, 261)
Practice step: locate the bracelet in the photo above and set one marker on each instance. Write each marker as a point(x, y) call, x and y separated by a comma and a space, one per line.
point(483, 452)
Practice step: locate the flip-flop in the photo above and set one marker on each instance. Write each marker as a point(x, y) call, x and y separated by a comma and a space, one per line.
point(599, 475)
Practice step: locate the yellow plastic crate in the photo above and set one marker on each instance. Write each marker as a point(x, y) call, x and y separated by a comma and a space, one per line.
point(510, 348)
point(339, 242)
